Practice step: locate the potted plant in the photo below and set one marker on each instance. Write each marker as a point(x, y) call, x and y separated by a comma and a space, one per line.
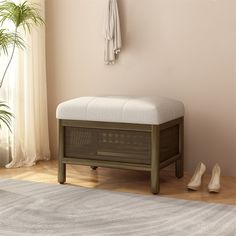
point(23, 15)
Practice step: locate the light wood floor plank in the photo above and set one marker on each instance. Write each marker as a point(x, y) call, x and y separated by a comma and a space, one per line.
point(124, 181)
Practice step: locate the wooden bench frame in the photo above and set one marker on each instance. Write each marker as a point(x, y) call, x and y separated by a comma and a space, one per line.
point(156, 155)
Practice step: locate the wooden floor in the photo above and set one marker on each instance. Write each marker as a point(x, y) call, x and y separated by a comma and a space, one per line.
point(124, 181)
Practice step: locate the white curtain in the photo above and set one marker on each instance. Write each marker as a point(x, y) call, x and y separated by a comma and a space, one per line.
point(30, 139)
point(6, 96)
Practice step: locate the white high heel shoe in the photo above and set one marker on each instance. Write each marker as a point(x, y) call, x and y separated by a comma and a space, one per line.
point(196, 180)
point(214, 184)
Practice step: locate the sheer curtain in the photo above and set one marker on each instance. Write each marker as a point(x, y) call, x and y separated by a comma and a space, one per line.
point(6, 96)
point(27, 95)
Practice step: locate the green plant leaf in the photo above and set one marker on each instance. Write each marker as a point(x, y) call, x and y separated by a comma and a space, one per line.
point(8, 39)
point(5, 115)
point(24, 14)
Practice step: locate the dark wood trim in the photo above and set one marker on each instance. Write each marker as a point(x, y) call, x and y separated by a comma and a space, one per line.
point(106, 125)
point(169, 161)
point(110, 164)
point(155, 159)
point(112, 158)
point(170, 124)
point(61, 165)
point(179, 164)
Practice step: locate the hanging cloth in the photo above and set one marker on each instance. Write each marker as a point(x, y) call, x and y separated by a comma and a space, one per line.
point(112, 33)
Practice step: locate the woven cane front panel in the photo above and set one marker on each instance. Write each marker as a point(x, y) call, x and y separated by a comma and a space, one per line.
point(106, 144)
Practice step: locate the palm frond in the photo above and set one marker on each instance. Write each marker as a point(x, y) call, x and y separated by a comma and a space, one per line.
point(24, 14)
point(5, 115)
point(8, 39)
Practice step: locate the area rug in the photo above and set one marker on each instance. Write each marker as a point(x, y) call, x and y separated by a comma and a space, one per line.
point(28, 208)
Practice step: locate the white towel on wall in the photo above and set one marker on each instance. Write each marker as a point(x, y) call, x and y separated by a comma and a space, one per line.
point(112, 33)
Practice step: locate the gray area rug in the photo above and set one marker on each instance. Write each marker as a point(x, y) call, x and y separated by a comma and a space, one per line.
point(28, 208)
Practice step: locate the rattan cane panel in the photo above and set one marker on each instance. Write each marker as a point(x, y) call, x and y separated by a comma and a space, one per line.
point(118, 145)
point(104, 144)
point(169, 142)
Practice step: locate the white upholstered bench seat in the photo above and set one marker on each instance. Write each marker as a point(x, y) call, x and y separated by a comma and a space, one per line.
point(121, 109)
point(137, 133)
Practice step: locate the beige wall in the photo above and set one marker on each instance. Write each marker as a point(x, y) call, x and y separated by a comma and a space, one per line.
point(184, 49)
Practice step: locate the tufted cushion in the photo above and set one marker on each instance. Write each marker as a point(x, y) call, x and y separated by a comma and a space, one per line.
point(139, 110)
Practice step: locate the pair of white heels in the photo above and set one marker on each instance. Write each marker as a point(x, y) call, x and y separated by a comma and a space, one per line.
point(196, 181)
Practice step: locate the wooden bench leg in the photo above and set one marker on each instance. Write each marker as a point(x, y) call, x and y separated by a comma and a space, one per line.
point(179, 168)
point(155, 155)
point(93, 167)
point(179, 164)
point(61, 172)
point(61, 165)
point(155, 182)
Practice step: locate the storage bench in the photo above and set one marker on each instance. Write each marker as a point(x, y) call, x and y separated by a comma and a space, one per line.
point(122, 132)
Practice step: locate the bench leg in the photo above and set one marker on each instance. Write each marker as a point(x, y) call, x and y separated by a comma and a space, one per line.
point(179, 168)
point(61, 165)
point(61, 172)
point(93, 167)
point(155, 162)
point(155, 182)
point(179, 164)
